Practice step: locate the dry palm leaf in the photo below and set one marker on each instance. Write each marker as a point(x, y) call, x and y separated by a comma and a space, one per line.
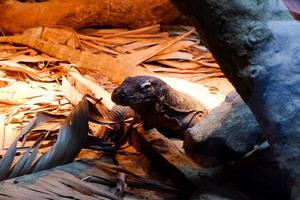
point(40, 75)
point(208, 64)
point(70, 92)
point(57, 185)
point(116, 69)
point(172, 56)
point(56, 189)
point(38, 97)
point(82, 186)
point(97, 181)
point(33, 59)
point(101, 32)
point(107, 41)
point(143, 55)
point(71, 138)
point(150, 29)
point(132, 180)
point(86, 86)
point(107, 64)
point(24, 164)
point(125, 48)
point(180, 45)
point(197, 78)
point(7, 160)
point(138, 45)
point(12, 54)
point(155, 68)
point(180, 65)
point(96, 48)
point(11, 47)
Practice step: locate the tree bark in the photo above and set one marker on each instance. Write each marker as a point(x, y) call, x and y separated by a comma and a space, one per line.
point(257, 45)
point(16, 16)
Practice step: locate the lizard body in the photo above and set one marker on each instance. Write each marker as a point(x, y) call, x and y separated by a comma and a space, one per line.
point(158, 105)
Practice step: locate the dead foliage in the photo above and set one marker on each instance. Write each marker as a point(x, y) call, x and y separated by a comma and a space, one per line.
point(47, 72)
point(119, 53)
point(69, 142)
point(101, 181)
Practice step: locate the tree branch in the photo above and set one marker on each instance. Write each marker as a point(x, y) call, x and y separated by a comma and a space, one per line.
point(17, 16)
point(257, 45)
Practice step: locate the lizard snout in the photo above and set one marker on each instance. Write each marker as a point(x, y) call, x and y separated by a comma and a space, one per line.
point(118, 95)
point(122, 94)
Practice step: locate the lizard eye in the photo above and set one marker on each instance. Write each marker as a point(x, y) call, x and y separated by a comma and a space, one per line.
point(146, 86)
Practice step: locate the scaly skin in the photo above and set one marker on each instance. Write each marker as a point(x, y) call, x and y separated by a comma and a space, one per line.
point(158, 105)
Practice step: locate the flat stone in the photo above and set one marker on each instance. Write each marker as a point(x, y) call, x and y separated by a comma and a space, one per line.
point(214, 192)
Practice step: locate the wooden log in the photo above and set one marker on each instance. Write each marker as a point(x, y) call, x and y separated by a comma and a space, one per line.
point(44, 184)
point(257, 45)
point(18, 16)
point(171, 153)
point(206, 182)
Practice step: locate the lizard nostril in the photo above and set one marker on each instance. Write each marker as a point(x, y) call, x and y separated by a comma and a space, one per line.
point(122, 94)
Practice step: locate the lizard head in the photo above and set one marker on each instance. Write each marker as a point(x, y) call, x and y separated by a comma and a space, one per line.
point(138, 90)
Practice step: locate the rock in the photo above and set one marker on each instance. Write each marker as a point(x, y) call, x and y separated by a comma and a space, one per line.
point(214, 192)
point(259, 175)
point(227, 133)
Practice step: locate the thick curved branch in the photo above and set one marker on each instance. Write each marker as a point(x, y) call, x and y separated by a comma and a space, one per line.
point(257, 45)
point(17, 16)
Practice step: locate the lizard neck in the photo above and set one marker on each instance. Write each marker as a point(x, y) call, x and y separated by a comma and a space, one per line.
point(168, 96)
point(176, 99)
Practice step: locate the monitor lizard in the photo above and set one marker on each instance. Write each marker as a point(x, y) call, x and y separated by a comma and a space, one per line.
point(158, 105)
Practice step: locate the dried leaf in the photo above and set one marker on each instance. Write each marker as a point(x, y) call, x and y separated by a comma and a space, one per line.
point(33, 59)
point(71, 138)
point(24, 163)
point(207, 76)
point(138, 45)
point(101, 32)
point(92, 88)
point(180, 65)
point(207, 64)
point(12, 66)
point(11, 47)
point(7, 161)
point(156, 68)
point(9, 156)
point(70, 92)
point(98, 48)
point(82, 186)
point(149, 29)
point(180, 45)
point(132, 179)
point(172, 56)
point(140, 56)
point(108, 41)
point(52, 186)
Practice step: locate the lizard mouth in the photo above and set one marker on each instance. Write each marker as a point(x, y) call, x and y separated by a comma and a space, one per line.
point(132, 101)
point(123, 100)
